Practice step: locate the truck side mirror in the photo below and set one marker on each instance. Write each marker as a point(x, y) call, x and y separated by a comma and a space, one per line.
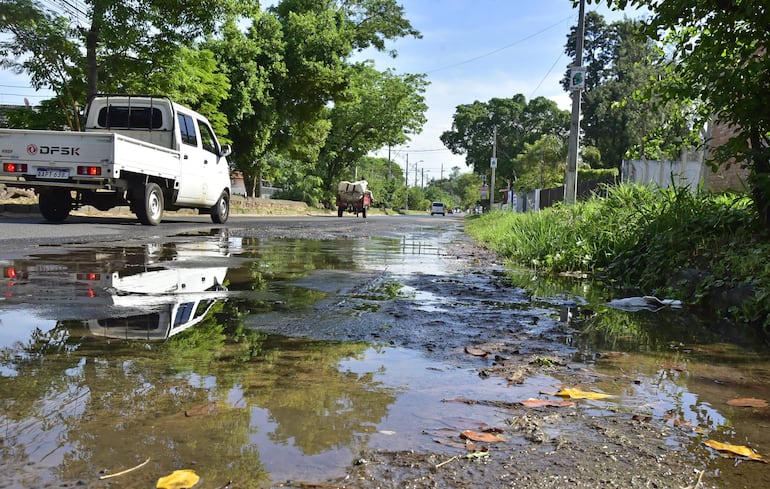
point(225, 150)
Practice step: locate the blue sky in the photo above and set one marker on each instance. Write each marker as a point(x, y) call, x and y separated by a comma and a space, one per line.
point(479, 50)
point(471, 50)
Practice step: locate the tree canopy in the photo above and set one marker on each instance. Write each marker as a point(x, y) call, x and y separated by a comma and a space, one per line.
point(720, 58)
point(518, 123)
point(278, 83)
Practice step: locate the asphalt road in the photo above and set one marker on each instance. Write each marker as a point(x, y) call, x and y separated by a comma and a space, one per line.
point(21, 233)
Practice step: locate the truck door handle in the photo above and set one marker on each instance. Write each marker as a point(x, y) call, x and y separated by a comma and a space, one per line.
point(205, 162)
point(185, 156)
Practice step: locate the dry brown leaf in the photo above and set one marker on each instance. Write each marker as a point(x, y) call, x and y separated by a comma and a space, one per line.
point(680, 423)
point(476, 352)
point(674, 367)
point(533, 403)
point(741, 450)
point(481, 437)
point(748, 402)
point(201, 410)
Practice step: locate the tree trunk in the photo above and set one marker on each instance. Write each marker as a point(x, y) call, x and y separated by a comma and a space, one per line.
point(92, 43)
point(760, 178)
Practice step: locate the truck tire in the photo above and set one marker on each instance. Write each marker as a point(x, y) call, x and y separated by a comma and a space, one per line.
point(55, 205)
point(221, 210)
point(149, 210)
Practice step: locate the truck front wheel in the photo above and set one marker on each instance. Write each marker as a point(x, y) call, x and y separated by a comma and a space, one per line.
point(150, 209)
point(55, 205)
point(221, 210)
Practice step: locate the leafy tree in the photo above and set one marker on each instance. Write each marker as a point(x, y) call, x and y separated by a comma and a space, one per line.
point(290, 67)
point(42, 46)
point(542, 164)
point(48, 115)
point(119, 47)
point(620, 115)
point(377, 108)
point(254, 63)
point(518, 122)
point(720, 58)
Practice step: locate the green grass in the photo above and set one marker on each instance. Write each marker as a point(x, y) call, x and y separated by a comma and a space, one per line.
point(638, 237)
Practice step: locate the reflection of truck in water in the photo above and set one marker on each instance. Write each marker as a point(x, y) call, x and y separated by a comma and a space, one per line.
point(353, 197)
point(145, 152)
point(171, 300)
point(155, 292)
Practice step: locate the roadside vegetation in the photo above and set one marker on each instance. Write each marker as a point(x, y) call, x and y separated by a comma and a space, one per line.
point(708, 250)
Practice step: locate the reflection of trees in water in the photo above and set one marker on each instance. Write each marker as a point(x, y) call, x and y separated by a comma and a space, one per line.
point(316, 405)
point(113, 403)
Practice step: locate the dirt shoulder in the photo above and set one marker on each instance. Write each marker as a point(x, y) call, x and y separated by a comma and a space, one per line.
point(576, 446)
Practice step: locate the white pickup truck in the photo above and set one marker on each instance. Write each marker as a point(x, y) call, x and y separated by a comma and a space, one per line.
point(143, 151)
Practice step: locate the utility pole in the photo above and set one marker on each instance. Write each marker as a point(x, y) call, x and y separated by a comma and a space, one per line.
point(406, 184)
point(390, 173)
point(577, 83)
point(493, 166)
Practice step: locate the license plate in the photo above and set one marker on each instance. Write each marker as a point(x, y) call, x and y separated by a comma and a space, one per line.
point(56, 173)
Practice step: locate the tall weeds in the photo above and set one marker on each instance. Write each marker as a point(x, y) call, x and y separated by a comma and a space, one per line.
point(638, 237)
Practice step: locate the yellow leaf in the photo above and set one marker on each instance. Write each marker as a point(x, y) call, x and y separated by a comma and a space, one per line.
point(178, 479)
point(573, 393)
point(735, 449)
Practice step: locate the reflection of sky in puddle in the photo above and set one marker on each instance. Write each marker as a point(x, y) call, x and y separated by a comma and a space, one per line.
point(420, 384)
point(16, 330)
point(425, 300)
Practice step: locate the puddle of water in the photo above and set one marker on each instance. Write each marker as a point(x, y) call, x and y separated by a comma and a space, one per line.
point(200, 354)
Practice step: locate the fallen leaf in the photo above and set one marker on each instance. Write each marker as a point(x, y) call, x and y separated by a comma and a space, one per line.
point(748, 402)
point(450, 443)
point(573, 393)
point(178, 479)
point(201, 410)
point(532, 403)
point(741, 450)
point(680, 423)
point(611, 354)
point(476, 352)
point(516, 377)
point(671, 366)
point(481, 437)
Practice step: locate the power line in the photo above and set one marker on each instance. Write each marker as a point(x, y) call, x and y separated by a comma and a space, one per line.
point(497, 50)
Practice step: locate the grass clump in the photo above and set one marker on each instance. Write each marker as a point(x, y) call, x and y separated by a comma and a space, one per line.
point(640, 237)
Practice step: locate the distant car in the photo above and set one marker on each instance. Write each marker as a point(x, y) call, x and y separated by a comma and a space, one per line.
point(438, 208)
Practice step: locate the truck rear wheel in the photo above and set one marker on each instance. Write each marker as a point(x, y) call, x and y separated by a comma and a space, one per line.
point(150, 209)
point(55, 205)
point(221, 210)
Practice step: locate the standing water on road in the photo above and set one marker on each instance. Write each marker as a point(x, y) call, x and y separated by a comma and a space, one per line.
point(263, 361)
